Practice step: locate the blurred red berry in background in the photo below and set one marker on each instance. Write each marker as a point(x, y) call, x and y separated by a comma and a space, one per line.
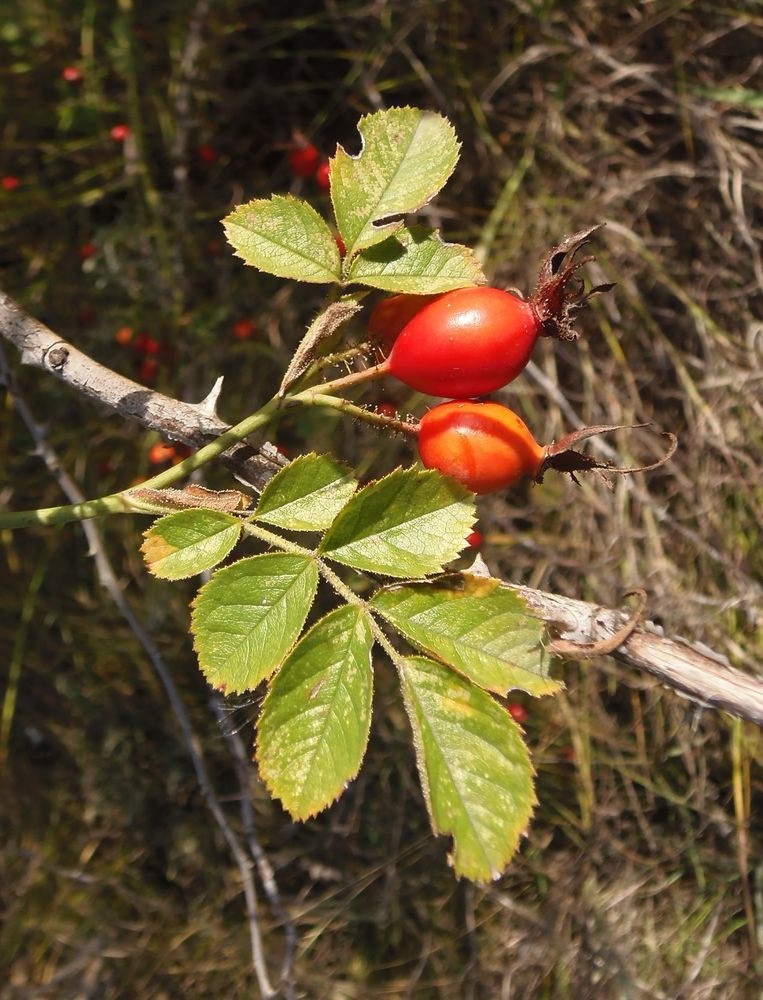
point(160, 453)
point(119, 132)
point(323, 177)
point(149, 347)
point(304, 159)
point(72, 74)
point(9, 183)
point(518, 712)
point(244, 329)
point(124, 335)
point(148, 369)
point(86, 315)
point(207, 153)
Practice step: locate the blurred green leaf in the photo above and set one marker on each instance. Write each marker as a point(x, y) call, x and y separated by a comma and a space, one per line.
point(744, 96)
point(476, 626)
point(406, 157)
point(474, 767)
point(285, 236)
point(246, 619)
point(313, 730)
point(410, 523)
point(416, 260)
point(307, 494)
point(188, 542)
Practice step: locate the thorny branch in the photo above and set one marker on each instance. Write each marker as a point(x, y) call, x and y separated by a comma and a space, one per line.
point(194, 424)
point(581, 628)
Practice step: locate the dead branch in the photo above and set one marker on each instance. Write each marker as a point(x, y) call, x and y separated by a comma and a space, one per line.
point(696, 673)
point(692, 670)
point(194, 424)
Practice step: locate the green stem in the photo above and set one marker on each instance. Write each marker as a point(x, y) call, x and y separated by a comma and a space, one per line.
point(50, 516)
point(277, 541)
point(313, 398)
point(348, 381)
point(343, 357)
point(350, 597)
point(123, 503)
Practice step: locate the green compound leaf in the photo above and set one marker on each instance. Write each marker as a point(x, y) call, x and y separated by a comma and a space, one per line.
point(188, 542)
point(474, 767)
point(416, 260)
point(246, 619)
point(410, 523)
point(315, 720)
point(476, 626)
point(406, 157)
point(285, 236)
point(307, 494)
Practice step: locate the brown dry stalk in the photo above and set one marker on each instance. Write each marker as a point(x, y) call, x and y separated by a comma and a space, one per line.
point(602, 647)
point(194, 424)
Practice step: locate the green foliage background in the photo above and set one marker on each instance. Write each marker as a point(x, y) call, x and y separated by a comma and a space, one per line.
point(641, 874)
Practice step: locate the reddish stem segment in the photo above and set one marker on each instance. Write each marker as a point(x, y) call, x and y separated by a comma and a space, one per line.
point(355, 378)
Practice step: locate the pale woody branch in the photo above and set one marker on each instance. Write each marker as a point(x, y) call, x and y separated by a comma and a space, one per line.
point(194, 424)
point(693, 671)
point(698, 674)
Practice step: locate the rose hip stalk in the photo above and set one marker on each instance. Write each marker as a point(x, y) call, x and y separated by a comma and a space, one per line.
point(474, 340)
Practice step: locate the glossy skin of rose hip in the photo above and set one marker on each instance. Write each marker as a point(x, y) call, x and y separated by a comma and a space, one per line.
point(465, 343)
point(485, 446)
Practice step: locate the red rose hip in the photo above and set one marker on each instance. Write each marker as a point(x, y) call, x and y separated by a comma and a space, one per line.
point(466, 343)
point(474, 340)
point(392, 314)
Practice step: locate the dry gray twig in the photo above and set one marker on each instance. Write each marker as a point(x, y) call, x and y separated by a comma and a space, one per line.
point(693, 671)
point(194, 424)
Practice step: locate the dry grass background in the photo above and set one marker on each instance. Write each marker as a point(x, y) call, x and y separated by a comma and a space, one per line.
point(641, 876)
